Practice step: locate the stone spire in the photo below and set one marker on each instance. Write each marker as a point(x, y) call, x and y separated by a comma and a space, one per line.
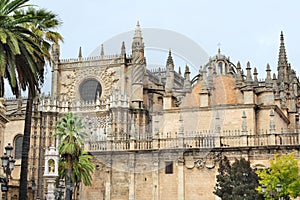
point(170, 62)
point(255, 82)
point(187, 80)
point(187, 73)
point(138, 32)
point(169, 73)
point(179, 70)
point(80, 54)
point(138, 45)
point(239, 78)
point(282, 60)
point(249, 80)
point(268, 81)
point(123, 49)
point(102, 51)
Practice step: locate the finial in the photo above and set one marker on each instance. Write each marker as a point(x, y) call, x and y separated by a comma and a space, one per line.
point(268, 67)
point(239, 78)
point(187, 69)
point(268, 80)
point(282, 60)
point(248, 65)
point(123, 49)
point(255, 71)
point(255, 82)
point(219, 48)
point(170, 59)
point(102, 50)
point(80, 53)
point(274, 76)
point(248, 77)
point(138, 32)
point(187, 73)
point(238, 65)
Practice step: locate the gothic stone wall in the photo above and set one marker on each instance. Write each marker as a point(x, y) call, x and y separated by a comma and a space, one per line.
point(142, 175)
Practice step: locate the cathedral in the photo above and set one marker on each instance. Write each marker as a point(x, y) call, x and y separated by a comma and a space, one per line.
point(157, 134)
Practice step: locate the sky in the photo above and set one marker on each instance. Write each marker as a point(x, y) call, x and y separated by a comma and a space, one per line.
point(244, 30)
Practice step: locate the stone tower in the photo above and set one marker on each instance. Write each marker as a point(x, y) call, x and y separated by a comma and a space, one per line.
point(138, 68)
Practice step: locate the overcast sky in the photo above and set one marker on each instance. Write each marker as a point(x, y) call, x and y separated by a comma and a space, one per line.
point(246, 30)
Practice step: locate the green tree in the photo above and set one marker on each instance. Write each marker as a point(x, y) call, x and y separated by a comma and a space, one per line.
point(223, 187)
point(22, 58)
point(283, 170)
point(81, 171)
point(42, 24)
point(237, 181)
point(75, 165)
point(23, 54)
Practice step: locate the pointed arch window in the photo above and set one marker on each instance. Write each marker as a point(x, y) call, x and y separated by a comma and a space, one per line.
point(18, 146)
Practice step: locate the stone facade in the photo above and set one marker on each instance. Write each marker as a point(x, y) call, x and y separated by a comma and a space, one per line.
point(159, 134)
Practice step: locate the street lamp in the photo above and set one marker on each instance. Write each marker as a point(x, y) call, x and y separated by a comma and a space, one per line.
point(272, 193)
point(8, 164)
point(69, 190)
point(33, 188)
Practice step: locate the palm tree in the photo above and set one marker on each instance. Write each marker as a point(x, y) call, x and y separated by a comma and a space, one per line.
point(41, 26)
point(81, 171)
point(75, 165)
point(22, 58)
point(23, 54)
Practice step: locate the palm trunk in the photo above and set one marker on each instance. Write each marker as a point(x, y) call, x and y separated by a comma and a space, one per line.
point(68, 185)
point(25, 149)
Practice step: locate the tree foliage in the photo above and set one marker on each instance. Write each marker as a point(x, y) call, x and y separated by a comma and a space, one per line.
point(24, 50)
point(74, 164)
point(237, 181)
point(283, 170)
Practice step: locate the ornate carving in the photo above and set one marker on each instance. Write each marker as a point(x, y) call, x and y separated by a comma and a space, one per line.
point(68, 84)
point(200, 163)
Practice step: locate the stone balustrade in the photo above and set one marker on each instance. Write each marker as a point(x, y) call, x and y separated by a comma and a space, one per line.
point(204, 142)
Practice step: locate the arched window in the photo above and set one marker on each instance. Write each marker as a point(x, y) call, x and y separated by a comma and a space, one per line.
point(18, 146)
point(220, 65)
point(90, 89)
point(51, 166)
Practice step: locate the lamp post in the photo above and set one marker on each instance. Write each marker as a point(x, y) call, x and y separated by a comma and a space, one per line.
point(69, 190)
point(272, 193)
point(33, 188)
point(8, 164)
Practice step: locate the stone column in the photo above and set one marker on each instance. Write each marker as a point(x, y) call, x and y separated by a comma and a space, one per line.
point(108, 179)
point(155, 176)
point(180, 169)
point(131, 176)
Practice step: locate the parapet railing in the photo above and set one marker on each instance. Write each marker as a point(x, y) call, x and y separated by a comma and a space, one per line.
point(207, 141)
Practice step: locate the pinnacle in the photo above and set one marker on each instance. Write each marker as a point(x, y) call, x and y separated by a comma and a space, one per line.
point(138, 32)
point(170, 59)
point(282, 60)
point(80, 53)
point(102, 50)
